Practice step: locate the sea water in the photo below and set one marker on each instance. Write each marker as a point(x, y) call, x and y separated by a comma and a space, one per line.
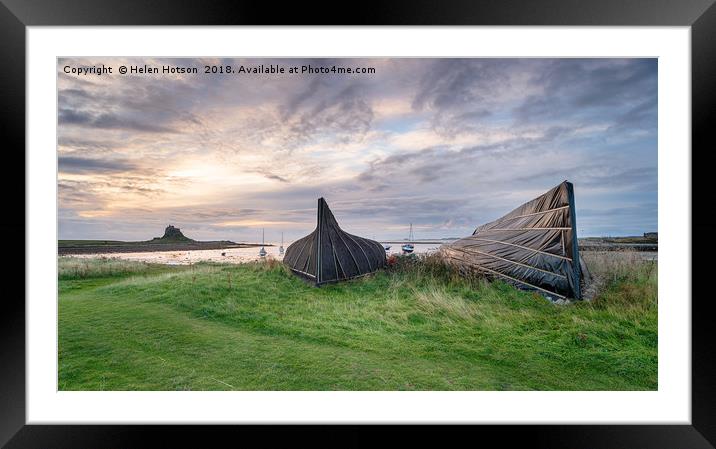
point(231, 255)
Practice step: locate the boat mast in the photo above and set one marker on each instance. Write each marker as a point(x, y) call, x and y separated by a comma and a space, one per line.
point(262, 251)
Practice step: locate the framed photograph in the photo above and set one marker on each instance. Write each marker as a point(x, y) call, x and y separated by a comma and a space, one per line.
point(488, 222)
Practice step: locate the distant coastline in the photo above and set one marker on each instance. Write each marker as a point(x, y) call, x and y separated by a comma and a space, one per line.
point(172, 240)
point(632, 243)
point(71, 247)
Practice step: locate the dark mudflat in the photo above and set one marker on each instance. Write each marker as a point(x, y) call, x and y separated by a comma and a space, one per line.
point(137, 247)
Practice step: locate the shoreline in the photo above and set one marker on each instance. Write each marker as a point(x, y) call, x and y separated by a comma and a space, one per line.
point(151, 247)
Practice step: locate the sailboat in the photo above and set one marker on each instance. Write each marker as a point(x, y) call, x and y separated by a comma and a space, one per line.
point(280, 248)
point(409, 247)
point(262, 251)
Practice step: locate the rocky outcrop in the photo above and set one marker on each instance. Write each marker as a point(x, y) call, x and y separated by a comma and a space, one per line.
point(172, 234)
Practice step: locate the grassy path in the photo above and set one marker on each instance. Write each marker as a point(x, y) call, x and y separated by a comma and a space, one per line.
point(257, 327)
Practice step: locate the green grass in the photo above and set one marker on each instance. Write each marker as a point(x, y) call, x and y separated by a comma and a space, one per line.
point(76, 268)
point(415, 326)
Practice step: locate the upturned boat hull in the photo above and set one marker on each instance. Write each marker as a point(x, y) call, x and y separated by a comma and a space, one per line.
point(534, 247)
point(329, 254)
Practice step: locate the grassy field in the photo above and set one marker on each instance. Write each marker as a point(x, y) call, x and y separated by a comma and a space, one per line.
point(416, 326)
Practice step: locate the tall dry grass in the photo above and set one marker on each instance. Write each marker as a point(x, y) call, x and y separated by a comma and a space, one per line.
point(620, 279)
point(625, 279)
point(616, 265)
point(83, 268)
point(428, 267)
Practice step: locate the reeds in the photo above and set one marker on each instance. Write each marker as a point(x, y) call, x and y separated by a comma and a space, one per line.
point(81, 268)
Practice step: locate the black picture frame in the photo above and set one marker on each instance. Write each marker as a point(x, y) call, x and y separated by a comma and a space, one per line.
point(16, 15)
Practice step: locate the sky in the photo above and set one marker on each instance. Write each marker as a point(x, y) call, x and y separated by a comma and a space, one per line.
point(444, 144)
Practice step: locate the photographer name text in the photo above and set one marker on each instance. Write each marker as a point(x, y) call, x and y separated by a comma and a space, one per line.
point(270, 69)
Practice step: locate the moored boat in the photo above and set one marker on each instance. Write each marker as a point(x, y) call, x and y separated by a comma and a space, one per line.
point(409, 247)
point(262, 251)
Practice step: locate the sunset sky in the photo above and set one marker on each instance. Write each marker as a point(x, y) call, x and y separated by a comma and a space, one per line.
point(445, 144)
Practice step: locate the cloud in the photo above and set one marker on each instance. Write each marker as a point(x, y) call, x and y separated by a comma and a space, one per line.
point(445, 144)
point(456, 83)
point(341, 116)
point(69, 164)
point(87, 145)
point(275, 177)
point(582, 90)
point(107, 121)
